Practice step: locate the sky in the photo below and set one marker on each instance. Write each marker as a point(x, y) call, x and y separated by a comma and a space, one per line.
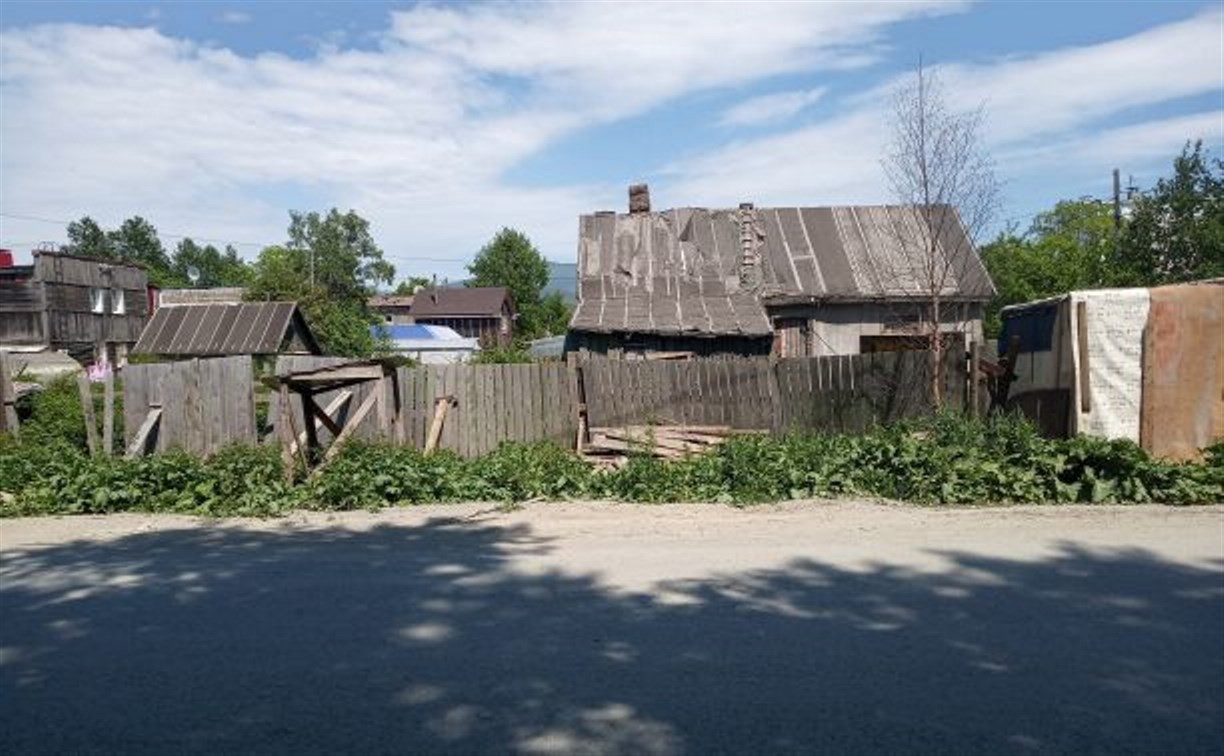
point(442, 123)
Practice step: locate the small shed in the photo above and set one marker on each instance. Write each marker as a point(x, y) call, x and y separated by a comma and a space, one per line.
point(256, 328)
point(1140, 364)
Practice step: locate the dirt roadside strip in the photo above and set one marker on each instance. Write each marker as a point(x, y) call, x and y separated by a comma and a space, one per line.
point(622, 541)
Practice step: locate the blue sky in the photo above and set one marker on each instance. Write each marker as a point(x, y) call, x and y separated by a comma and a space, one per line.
point(443, 122)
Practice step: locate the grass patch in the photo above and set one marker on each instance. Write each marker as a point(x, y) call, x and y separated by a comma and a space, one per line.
point(946, 460)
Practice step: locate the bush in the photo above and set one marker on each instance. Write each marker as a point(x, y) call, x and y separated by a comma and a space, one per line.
point(942, 460)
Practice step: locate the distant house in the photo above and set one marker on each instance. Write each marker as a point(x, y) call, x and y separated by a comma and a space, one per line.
point(209, 330)
point(429, 344)
point(93, 309)
point(785, 281)
point(483, 313)
point(394, 308)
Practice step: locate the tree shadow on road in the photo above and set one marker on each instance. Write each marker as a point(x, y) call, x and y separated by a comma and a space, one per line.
point(428, 639)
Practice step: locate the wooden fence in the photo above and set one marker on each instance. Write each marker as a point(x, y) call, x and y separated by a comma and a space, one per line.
point(200, 405)
point(206, 404)
point(844, 393)
point(492, 403)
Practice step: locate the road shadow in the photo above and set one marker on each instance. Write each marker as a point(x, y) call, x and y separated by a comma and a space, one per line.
point(427, 639)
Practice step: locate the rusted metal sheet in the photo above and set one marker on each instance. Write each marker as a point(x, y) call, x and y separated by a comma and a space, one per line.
point(218, 329)
point(1182, 409)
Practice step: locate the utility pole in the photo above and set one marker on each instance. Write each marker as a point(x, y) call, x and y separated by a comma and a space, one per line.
point(1117, 201)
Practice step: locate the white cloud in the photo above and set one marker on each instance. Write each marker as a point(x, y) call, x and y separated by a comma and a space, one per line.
point(1054, 113)
point(415, 134)
point(770, 108)
point(234, 17)
point(418, 133)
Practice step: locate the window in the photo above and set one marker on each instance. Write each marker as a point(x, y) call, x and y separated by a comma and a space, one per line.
point(118, 302)
point(97, 301)
point(387, 318)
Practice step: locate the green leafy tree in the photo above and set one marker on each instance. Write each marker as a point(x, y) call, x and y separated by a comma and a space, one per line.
point(341, 255)
point(330, 267)
point(214, 268)
point(1064, 249)
point(512, 261)
point(136, 241)
point(1176, 230)
point(554, 315)
point(410, 284)
point(86, 238)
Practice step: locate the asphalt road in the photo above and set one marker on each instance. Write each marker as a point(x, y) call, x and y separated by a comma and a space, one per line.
point(843, 628)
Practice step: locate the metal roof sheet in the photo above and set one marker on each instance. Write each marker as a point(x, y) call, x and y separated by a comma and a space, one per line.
point(214, 329)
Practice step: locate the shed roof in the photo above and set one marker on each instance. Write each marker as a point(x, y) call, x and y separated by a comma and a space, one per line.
point(213, 329)
point(678, 271)
point(473, 302)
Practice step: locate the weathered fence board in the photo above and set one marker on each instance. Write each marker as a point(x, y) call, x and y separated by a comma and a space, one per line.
point(205, 404)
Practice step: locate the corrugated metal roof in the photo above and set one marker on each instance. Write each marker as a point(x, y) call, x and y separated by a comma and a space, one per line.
point(213, 329)
point(485, 302)
point(679, 271)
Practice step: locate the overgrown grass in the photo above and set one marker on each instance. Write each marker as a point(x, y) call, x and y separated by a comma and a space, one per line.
point(945, 460)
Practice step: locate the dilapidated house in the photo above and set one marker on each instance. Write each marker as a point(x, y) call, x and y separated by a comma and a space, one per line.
point(91, 308)
point(790, 281)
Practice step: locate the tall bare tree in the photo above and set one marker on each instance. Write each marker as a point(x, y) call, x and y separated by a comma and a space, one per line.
point(937, 165)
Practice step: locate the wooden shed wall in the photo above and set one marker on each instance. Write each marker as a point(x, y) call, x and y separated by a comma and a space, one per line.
point(21, 311)
point(637, 345)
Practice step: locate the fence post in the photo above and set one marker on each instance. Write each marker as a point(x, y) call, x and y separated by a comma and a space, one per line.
point(8, 397)
point(87, 409)
point(108, 415)
point(975, 379)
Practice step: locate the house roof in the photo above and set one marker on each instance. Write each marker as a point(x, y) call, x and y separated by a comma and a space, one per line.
point(390, 300)
point(215, 329)
point(678, 271)
point(419, 336)
point(476, 302)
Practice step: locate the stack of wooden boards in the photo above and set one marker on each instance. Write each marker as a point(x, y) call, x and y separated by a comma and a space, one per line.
point(611, 447)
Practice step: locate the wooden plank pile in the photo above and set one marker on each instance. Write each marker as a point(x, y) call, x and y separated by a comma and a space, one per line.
point(609, 448)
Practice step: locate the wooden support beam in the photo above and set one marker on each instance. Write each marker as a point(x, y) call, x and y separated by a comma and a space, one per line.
point(324, 416)
point(108, 416)
point(349, 428)
point(310, 432)
point(87, 410)
point(441, 405)
point(141, 439)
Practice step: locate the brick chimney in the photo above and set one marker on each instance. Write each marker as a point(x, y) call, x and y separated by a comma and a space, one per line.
point(639, 198)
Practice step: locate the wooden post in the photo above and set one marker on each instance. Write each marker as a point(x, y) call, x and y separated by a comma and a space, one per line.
point(87, 409)
point(1081, 340)
point(108, 415)
point(285, 432)
point(8, 397)
point(349, 427)
point(975, 379)
point(441, 404)
point(309, 411)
